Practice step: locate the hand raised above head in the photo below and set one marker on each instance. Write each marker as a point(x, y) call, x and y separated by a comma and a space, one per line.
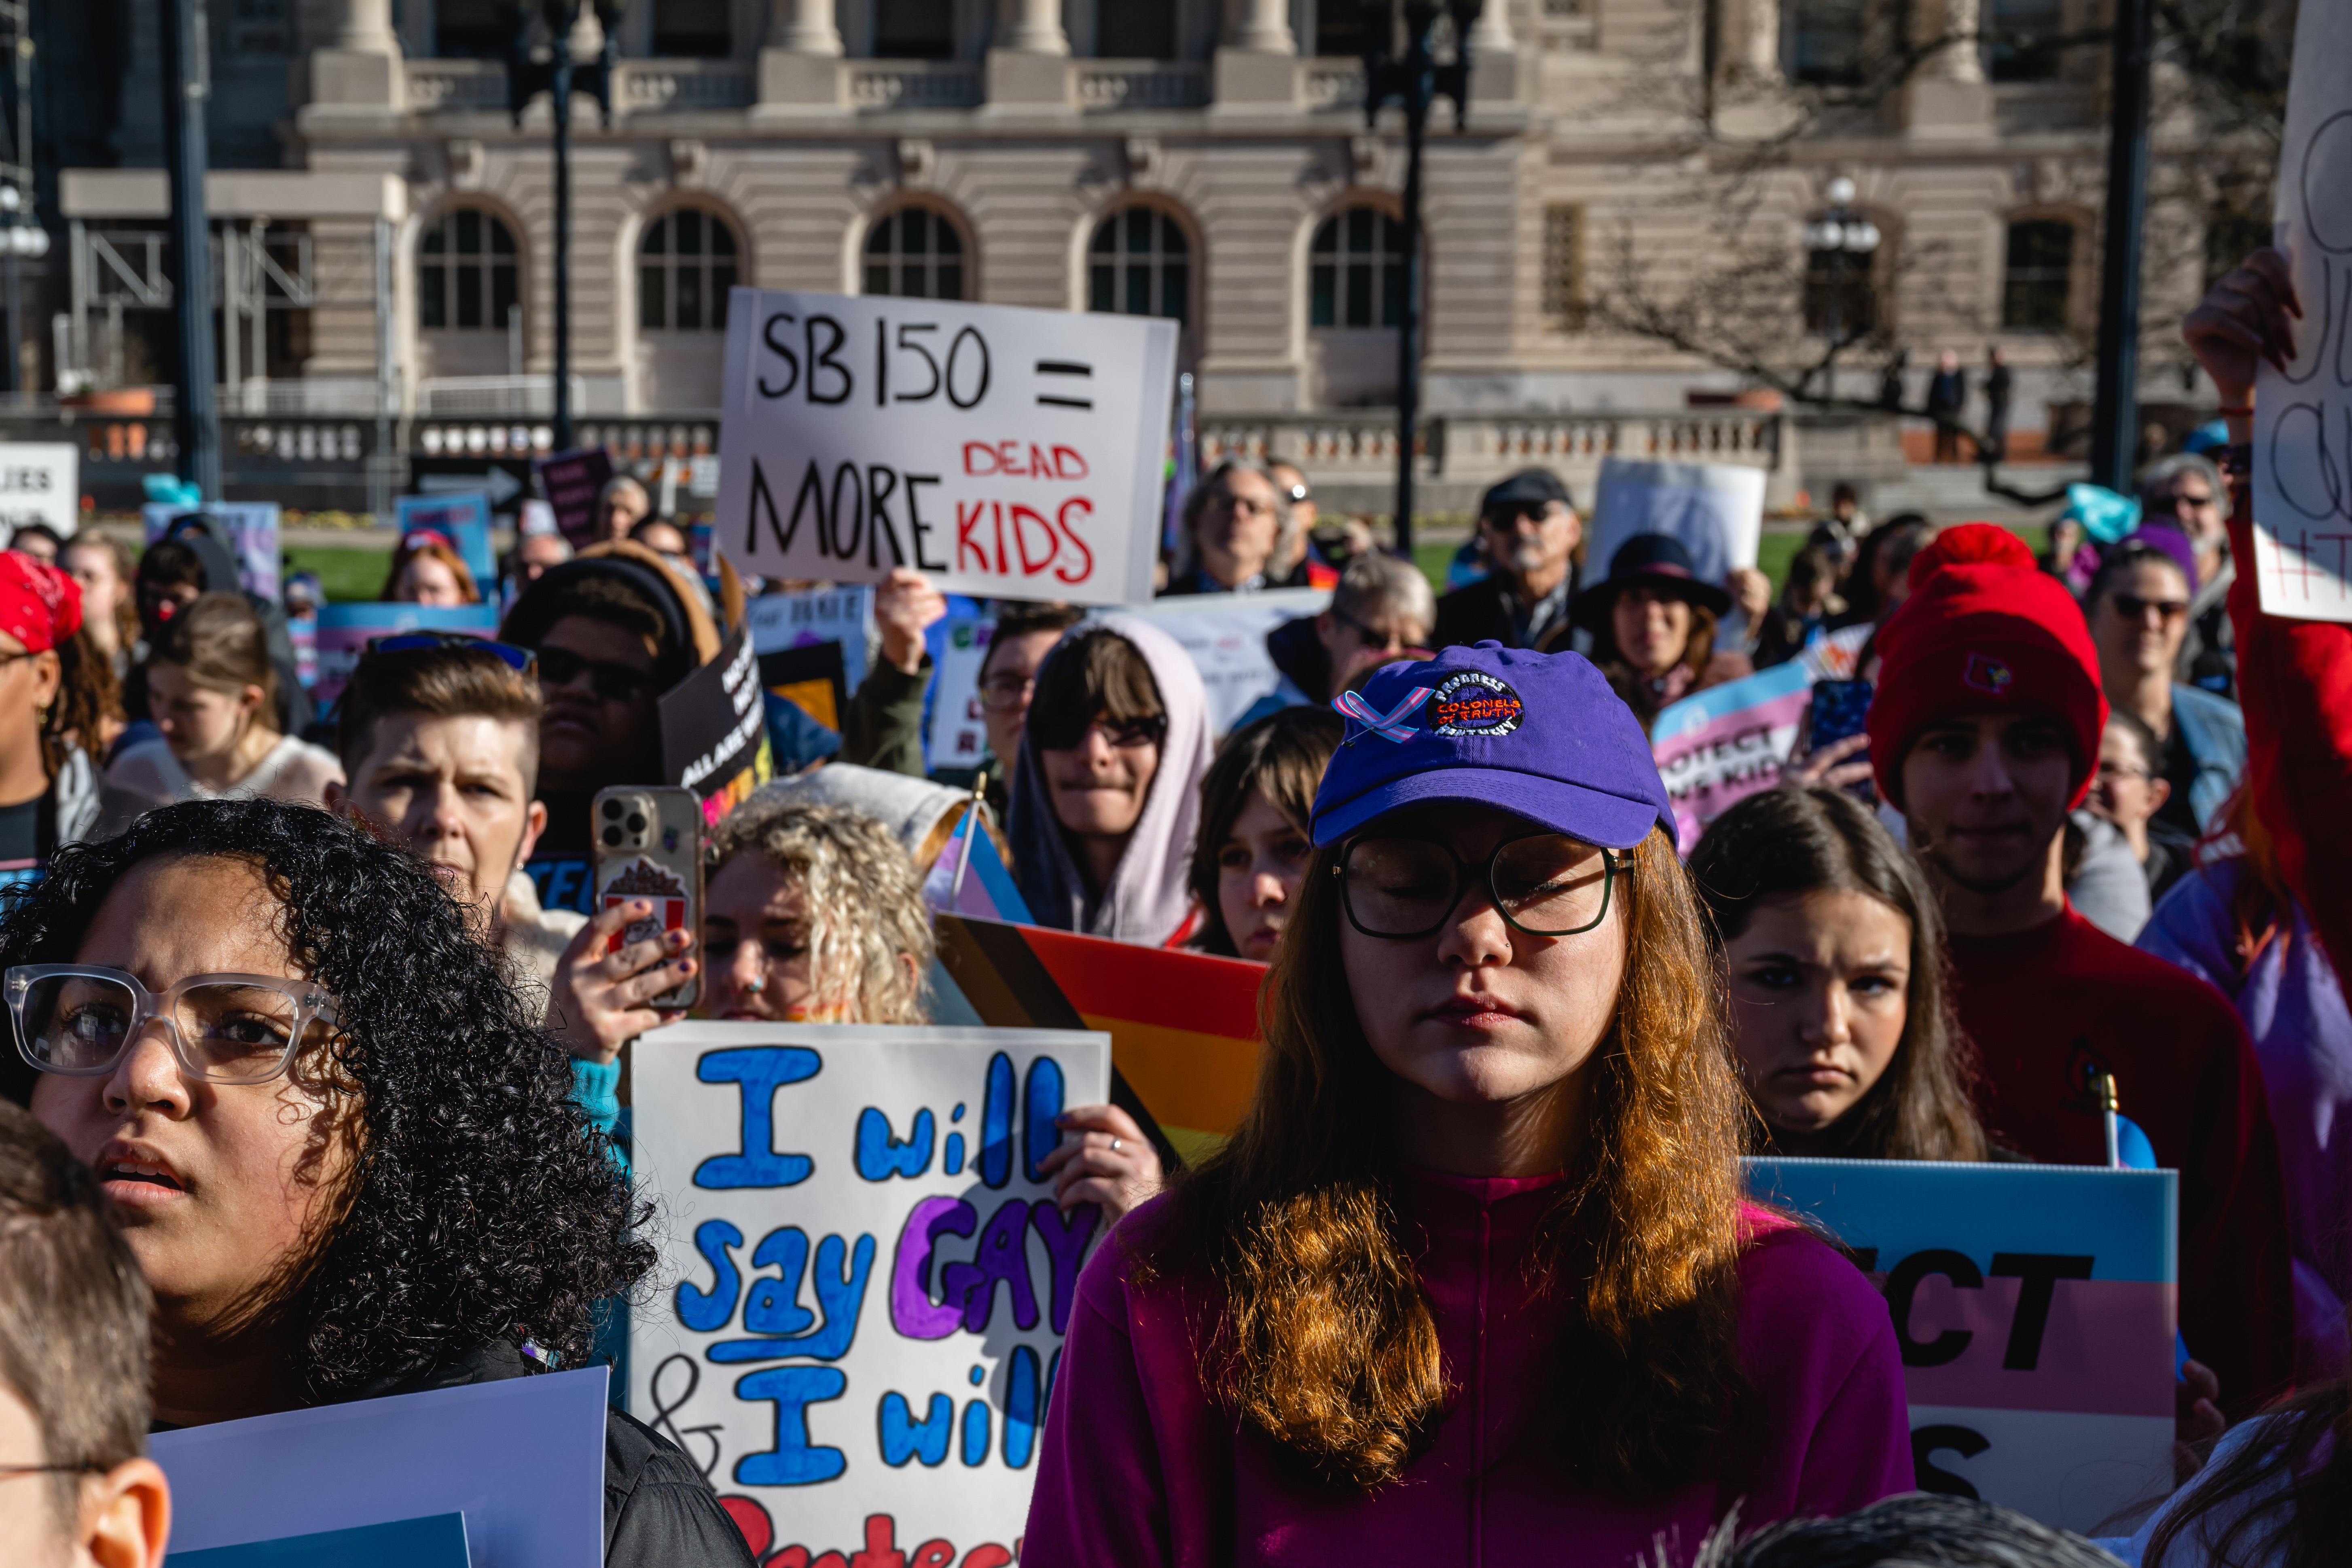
point(2244, 320)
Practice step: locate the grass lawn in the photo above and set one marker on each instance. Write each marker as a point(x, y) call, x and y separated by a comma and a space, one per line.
point(348, 570)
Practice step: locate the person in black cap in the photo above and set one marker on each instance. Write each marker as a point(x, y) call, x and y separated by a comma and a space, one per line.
point(1531, 530)
point(1652, 624)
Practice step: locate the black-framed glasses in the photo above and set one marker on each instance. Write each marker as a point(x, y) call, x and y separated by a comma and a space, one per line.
point(1401, 886)
point(80, 1020)
point(1006, 692)
point(521, 660)
point(613, 682)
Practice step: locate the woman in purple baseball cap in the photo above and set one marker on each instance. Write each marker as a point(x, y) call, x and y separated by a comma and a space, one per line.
point(1474, 1281)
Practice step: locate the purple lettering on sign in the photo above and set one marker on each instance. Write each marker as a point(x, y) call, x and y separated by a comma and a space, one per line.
point(912, 1311)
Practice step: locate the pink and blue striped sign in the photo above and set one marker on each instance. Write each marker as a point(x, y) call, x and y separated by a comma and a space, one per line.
point(1721, 746)
point(2036, 1307)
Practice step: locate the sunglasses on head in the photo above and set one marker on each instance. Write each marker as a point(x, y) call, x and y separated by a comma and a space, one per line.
point(521, 660)
point(613, 682)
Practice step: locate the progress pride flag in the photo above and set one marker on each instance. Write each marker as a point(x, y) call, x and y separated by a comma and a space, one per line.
point(1008, 453)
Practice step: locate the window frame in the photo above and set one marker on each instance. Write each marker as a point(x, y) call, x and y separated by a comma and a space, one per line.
point(1155, 261)
point(707, 266)
point(2065, 277)
point(1391, 274)
point(944, 219)
point(445, 267)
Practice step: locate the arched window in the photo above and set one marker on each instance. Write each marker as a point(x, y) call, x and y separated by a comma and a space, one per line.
point(1355, 273)
point(2037, 284)
point(1139, 265)
point(914, 253)
point(467, 275)
point(686, 263)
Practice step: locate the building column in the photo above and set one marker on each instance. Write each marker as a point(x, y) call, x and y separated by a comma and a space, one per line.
point(1761, 50)
point(1960, 61)
point(1256, 64)
point(1492, 30)
point(1493, 56)
point(358, 72)
point(804, 26)
point(1948, 100)
point(1262, 28)
point(1029, 69)
point(1034, 28)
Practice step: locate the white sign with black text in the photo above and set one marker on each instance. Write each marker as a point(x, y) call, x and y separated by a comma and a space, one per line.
point(41, 482)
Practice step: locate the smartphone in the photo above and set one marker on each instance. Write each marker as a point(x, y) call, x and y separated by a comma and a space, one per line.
point(1841, 708)
point(647, 844)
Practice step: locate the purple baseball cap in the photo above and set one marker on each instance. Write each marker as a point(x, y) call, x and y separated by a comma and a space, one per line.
point(1541, 735)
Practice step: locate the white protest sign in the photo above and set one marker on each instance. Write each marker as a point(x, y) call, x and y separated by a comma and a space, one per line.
point(864, 1284)
point(959, 729)
point(2302, 415)
point(780, 621)
point(1225, 635)
point(41, 482)
point(1716, 510)
point(521, 1458)
point(1011, 453)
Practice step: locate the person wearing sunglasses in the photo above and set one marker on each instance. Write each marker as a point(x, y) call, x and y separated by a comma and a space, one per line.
point(1106, 798)
point(2138, 608)
point(1490, 1174)
point(615, 628)
point(281, 1104)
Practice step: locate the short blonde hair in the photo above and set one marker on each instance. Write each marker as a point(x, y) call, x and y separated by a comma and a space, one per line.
point(865, 901)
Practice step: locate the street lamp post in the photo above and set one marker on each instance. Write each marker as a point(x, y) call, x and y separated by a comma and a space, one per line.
point(20, 240)
point(1417, 80)
point(1840, 231)
point(557, 75)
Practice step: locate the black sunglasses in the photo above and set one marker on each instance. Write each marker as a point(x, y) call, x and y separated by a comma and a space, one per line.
point(2131, 607)
point(613, 682)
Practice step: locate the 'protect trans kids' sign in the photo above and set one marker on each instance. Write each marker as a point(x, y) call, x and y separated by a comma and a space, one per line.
point(866, 1284)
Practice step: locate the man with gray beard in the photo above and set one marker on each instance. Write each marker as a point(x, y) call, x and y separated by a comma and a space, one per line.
point(1530, 532)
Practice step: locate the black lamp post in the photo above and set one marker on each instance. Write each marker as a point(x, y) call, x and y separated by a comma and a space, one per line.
point(1417, 80)
point(556, 76)
point(187, 91)
point(2115, 410)
point(1838, 233)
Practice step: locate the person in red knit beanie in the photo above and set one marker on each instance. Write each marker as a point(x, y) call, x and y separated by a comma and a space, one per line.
point(1985, 732)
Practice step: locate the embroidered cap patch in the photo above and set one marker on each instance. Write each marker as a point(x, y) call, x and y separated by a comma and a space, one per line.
point(1987, 674)
point(1472, 702)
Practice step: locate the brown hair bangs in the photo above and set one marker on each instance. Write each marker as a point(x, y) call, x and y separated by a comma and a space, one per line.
point(1328, 1343)
point(1092, 675)
point(438, 683)
point(1281, 756)
point(220, 641)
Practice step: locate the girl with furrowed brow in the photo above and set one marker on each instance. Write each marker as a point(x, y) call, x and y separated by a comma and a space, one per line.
point(1474, 1281)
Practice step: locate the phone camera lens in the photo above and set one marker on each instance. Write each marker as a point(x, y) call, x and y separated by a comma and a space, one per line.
point(636, 821)
point(612, 836)
point(612, 808)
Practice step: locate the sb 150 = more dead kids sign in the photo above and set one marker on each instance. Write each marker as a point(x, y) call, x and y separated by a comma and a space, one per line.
point(1009, 453)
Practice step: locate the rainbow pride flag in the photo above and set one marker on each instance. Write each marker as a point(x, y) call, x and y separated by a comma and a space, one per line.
point(1182, 1025)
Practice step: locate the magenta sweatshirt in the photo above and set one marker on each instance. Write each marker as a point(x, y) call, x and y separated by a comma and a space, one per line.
point(1141, 1468)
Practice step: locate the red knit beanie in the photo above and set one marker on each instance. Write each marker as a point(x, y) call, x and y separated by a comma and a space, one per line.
point(1983, 631)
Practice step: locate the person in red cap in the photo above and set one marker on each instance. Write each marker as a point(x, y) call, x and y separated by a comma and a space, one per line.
point(1985, 732)
point(48, 792)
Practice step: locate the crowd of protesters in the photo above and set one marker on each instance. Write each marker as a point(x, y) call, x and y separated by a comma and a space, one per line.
point(1517, 1033)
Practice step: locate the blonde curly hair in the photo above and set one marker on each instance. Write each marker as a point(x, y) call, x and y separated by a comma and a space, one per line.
point(869, 932)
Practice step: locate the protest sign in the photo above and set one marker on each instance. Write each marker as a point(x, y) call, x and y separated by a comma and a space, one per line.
point(1721, 746)
point(2035, 1309)
point(957, 733)
point(985, 887)
point(250, 528)
point(1007, 452)
point(1182, 1025)
point(866, 1283)
point(345, 629)
point(464, 518)
point(1716, 510)
point(437, 1541)
point(843, 615)
point(804, 697)
point(522, 1459)
point(570, 482)
point(2302, 415)
point(1225, 635)
point(41, 482)
point(714, 730)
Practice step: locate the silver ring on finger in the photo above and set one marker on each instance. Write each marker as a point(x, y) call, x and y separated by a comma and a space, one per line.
point(1114, 1143)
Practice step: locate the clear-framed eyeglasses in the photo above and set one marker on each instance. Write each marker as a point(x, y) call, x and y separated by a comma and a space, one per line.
point(1403, 887)
point(78, 1020)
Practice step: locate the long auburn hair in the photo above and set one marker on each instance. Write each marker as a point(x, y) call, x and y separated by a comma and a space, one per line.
point(1785, 843)
point(1328, 1343)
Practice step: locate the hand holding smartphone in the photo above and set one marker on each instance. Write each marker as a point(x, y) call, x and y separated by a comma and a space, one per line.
point(647, 844)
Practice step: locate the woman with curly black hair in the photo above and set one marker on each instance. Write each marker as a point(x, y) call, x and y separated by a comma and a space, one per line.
point(342, 1153)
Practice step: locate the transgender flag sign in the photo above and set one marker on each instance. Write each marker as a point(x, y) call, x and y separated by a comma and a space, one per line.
point(2035, 1307)
point(1728, 741)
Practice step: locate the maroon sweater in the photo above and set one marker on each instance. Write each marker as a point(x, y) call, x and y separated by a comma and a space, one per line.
point(2048, 1007)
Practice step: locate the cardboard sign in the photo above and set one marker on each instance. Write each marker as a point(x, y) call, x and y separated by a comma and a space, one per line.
point(2036, 1307)
point(2302, 415)
point(1008, 452)
point(346, 628)
point(714, 730)
point(571, 482)
point(41, 482)
point(1182, 1025)
point(465, 518)
point(1225, 635)
point(522, 1459)
point(866, 1284)
point(437, 1541)
point(843, 615)
point(1716, 510)
point(251, 526)
point(1722, 745)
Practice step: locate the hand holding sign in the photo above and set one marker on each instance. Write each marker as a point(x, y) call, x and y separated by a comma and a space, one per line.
point(906, 607)
point(1013, 452)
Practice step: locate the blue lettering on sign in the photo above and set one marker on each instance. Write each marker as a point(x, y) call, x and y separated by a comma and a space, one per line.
point(774, 1306)
point(881, 1156)
point(1023, 1408)
point(707, 1311)
point(996, 1122)
point(761, 1071)
point(795, 1461)
point(841, 1276)
point(1041, 1105)
point(976, 1433)
point(904, 1438)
